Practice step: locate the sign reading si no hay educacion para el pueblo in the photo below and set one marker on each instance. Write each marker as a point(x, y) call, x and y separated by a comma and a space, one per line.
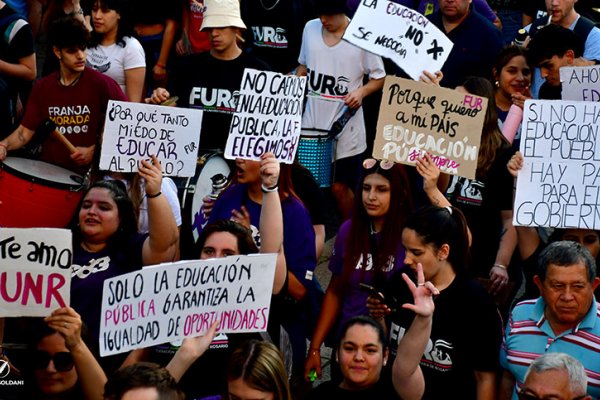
point(415, 118)
point(559, 184)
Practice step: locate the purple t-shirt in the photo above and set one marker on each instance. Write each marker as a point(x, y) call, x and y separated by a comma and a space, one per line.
point(88, 272)
point(355, 298)
point(298, 233)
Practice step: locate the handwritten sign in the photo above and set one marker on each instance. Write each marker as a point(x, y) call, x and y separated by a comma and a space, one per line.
point(580, 83)
point(267, 116)
point(400, 34)
point(415, 118)
point(134, 132)
point(559, 185)
point(35, 277)
point(172, 301)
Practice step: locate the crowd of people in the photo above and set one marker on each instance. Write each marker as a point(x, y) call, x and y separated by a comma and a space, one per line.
point(434, 293)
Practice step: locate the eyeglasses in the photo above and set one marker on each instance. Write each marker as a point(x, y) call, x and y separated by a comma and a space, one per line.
point(370, 163)
point(63, 361)
point(527, 396)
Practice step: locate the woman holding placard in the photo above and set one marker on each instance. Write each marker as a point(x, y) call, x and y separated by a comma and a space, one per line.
point(486, 200)
point(106, 242)
point(60, 364)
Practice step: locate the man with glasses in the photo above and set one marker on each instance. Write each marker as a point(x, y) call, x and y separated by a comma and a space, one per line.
point(556, 376)
point(564, 319)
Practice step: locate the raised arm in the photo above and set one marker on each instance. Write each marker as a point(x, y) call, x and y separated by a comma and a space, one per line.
point(161, 244)
point(90, 374)
point(191, 349)
point(271, 218)
point(407, 376)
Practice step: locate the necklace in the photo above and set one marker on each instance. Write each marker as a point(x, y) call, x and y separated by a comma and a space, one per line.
point(63, 83)
point(269, 8)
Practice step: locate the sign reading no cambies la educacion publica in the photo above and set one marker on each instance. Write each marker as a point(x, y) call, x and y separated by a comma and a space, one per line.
point(559, 184)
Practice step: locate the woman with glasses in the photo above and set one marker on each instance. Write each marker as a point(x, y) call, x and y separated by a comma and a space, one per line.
point(367, 249)
point(62, 365)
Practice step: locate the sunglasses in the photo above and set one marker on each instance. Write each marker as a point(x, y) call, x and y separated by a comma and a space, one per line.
point(370, 163)
point(527, 396)
point(63, 361)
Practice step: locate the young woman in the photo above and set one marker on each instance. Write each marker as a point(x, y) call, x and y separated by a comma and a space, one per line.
point(113, 49)
point(106, 242)
point(362, 353)
point(256, 371)
point(512, 79)
point(461, 356)
point(224, 238)
point(60, 364)
point(486, 201)
point(367, 249)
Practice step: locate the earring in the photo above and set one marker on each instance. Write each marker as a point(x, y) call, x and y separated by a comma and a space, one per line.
point(497, 84)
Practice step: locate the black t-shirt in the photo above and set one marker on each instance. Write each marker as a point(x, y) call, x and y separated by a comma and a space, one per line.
point(204, 82)
point(482, 200)
point(465, 337)
point(382, 390)
point(275, 31)
point(17, 40)
point(150, 12)
point(549, 92)
point(309, 193)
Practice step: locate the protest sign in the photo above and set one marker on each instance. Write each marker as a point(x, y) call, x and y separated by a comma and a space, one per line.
point(415, 118)
point(267, 116)
point(401, 34)
point(559, 185)
point(35, 277)
point(580, 83)
point(135, 131)
point(172, 301)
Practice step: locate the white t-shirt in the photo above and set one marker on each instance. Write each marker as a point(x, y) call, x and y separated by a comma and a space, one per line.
point(333, 72)
point(114, 60)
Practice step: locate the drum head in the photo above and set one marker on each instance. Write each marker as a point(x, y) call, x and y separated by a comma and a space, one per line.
point(43, 173)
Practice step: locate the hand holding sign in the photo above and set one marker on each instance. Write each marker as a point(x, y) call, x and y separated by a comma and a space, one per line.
point(152, 174)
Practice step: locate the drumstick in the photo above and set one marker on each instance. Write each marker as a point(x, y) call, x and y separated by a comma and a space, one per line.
point(64, 141)
point(50, 127)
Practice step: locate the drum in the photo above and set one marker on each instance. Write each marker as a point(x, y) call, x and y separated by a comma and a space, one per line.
point(37, 194)
point(316, 154)
point(211, 167)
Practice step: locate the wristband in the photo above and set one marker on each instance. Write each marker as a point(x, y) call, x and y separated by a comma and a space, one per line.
point(269, 190)
point(161, 65)
point(312, 351)
point(501, 266)
point(152, 196)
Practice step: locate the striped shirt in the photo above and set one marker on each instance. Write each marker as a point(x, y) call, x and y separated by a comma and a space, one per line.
point(529, 335)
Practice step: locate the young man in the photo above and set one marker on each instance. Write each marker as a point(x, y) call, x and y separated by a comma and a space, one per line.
point(550, 49)
point(74, 98)
point(564, 319)
point(17, 63)
point(335, 71)
point(211, 80)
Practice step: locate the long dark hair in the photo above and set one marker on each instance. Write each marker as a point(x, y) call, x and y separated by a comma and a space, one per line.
point(359, 240)
point(125, 26)
point(492, 138)
point(437, 226)
point(128, 224)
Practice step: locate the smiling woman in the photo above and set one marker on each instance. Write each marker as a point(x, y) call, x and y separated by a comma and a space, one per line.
point(106, 242)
